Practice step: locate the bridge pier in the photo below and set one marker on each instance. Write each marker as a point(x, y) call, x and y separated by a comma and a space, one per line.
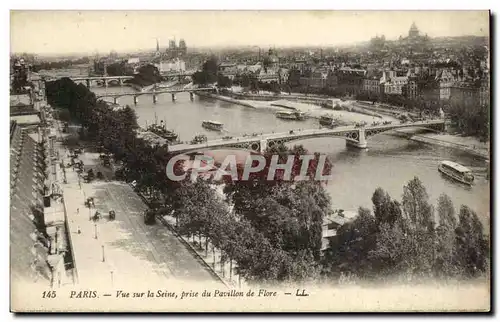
point(115, 100)
point(105, 83)
point(155, 98)
point(361, 143)
point(191, 96)
point(136, 99)
point(173, 97)
point(120, 81)
point(88, 83)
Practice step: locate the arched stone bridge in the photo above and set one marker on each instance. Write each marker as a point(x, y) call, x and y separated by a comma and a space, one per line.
point(354, 136)
point(155, 93)
point(118, 80)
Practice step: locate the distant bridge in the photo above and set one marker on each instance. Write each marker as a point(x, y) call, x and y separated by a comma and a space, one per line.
point(186, 73)
point(354, 136)
point(119, 80)
point(89, 79)
point(155, 93)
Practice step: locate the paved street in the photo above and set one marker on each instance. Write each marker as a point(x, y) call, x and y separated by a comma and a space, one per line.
point(126, 250)
point(132, 250)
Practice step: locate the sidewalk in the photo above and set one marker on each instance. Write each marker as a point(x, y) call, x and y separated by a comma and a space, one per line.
point(212, 258)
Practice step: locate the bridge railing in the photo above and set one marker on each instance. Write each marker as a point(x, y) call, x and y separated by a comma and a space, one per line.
point(304, 132)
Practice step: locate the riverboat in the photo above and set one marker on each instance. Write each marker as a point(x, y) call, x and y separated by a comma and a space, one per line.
point(162, 131)
point(213, 125)
point(457, 172)
point(289, 115)
point(327, 120)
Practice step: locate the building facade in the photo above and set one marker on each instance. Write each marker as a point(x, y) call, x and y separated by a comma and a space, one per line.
point(410, 90)
point(395, 85)
point(350, 80)
point(175, 65)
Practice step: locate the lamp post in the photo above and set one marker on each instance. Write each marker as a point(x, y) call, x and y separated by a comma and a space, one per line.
point(95, 230)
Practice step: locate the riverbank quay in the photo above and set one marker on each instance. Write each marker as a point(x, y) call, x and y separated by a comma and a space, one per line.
point(320, 100)
point(314, 106)
point(376, 108)
point(467, 144)
point(316, 100)
point(224, 99)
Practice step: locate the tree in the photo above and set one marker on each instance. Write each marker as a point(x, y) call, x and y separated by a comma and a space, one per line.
point(445, 238)
point(446, 213)
point(147, 75)
point(208, 74)
point(120, 69)
point(416, 205)
point(224, 81)
point(348, 251)
point(64, 115)
point(385, 209)
point(472, 246)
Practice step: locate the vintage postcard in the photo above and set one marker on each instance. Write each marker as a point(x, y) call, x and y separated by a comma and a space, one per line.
point(250, 161)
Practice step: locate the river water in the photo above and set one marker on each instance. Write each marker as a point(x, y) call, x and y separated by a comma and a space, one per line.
point(389, 162)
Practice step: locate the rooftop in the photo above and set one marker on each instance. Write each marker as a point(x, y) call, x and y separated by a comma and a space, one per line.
point(20, 99)
point(26, 119)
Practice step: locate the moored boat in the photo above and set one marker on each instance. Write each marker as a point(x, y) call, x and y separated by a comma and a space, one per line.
point(213, 125)
point(290, 115)
point(327, 120)
point(162, 131)
point(456, 171)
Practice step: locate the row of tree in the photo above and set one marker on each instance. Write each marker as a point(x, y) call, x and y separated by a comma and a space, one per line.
point(409, 104)
point(60, 64)
point(403, 239)
point(471, 118)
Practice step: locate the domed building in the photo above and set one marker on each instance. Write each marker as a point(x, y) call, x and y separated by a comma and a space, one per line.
point(415, 40)
point(413, 32)
point(273, 59)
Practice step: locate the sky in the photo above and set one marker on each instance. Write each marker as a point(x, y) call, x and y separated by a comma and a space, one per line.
point(64, 32)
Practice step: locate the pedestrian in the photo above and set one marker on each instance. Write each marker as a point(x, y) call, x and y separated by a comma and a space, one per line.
point(77, 211)
point(79, 230)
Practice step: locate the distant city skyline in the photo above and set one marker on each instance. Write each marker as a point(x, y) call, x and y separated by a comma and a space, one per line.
point(66, 32)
